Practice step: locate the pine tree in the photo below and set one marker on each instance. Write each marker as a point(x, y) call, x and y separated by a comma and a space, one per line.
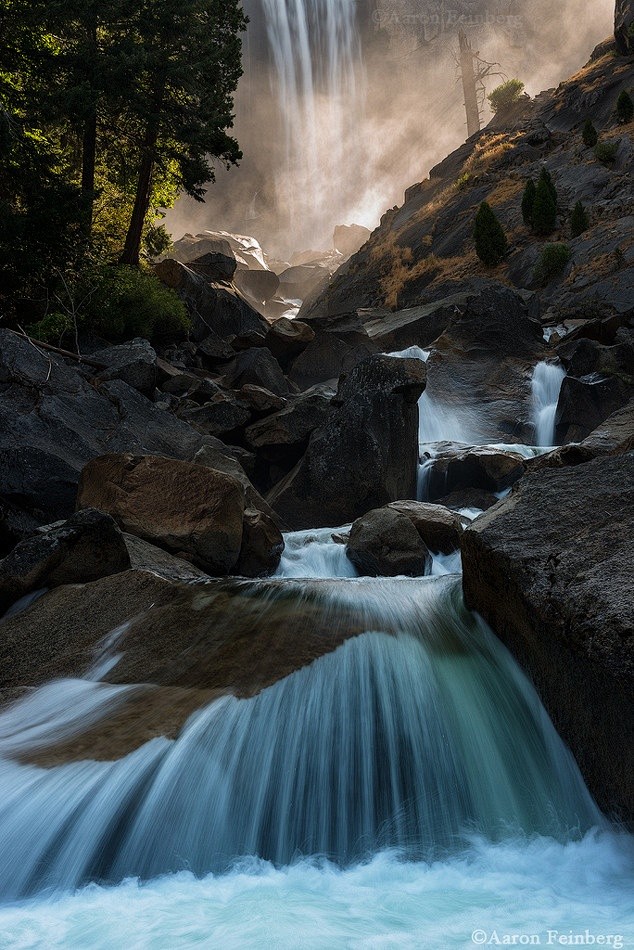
point(490, 241)
point(528, 202)
point(589, 135)
point(189, 64)
point(579, 221)
point(624, 108)
point(545, 205)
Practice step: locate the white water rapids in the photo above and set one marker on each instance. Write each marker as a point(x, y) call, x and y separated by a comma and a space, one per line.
point(406, 790)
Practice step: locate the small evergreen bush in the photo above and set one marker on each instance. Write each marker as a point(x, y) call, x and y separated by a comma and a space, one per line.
point(490, 239)
point(624, 108)
point(528, 202)
point(606, 152)
point(545, 205)
point(552, 262)
point(579, 221)
point(589, 135)
point(506, 95)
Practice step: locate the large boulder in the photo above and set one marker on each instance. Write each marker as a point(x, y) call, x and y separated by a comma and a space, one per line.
point(134, 363)
point(348, 238)
point(258, 367)
point(440, 528)
point(215, 265)
point(53, 421)
point(294, 424)
point(287, 339)
point(220, 415)
point(366, 455)
point(550, 570)
point(214, 307)
point(262, 546)
point(86, 547)
point(385, 543)
point(585, 403)
point(329, 355)
point(185, 508)
point(186, 643)
point(489, 470)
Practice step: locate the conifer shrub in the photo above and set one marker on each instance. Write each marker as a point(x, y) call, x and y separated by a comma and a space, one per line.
point(545, 205)
point(506, 95)
point(624, 108)
point(490, 240)
point(589, 135)
point(552, 262)
point(528, 202)
point(579, 220)
point(606, 152)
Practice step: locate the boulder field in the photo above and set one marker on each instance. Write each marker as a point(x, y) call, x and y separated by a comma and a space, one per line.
point(141, 486)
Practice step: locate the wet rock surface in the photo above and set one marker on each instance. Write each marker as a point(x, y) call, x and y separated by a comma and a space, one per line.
point(385, 543)
point(550, 570)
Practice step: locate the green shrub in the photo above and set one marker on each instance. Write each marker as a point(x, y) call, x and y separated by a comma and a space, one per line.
point(545, 205)
point(125, 302)
point(624, 108)
point(552, 262)
point(506, 95)
point(528, 202)
point(579, 220)
point(606, 152)
point(490, 240)
point(589, 135)
point(52, 328)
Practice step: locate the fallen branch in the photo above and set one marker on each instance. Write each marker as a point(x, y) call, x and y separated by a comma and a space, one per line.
point(68, 354)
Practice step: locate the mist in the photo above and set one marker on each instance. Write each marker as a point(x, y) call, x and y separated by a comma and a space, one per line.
point(334, 133)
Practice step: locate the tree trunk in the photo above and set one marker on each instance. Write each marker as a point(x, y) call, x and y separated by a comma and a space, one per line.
point(132, 247)
point(469, 85)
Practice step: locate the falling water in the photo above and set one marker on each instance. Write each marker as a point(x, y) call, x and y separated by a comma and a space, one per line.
point(316, 52)
point(545, 389)
point(411, 735)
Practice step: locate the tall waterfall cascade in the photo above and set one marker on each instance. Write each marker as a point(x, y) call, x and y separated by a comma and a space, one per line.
point(318, 80)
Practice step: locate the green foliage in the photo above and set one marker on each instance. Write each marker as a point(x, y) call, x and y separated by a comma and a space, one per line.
point(544, 218)
point(506, 95)
point(624, 108)
point(579, 220)
point(490, 240)
point(123, 302)
point(109, 109)
point(52, 328)
point(552, 262)
point(463, 181)
point(589, 135)
point(117, 303)
point(606, 152)
point(528, 202)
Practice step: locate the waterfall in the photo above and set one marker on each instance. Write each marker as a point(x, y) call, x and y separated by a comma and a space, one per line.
point(411, 735)
point(545, 389)
point(316, 52)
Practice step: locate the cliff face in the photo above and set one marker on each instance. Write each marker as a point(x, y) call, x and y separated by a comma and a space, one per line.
point(624, 26)
point(424, 250)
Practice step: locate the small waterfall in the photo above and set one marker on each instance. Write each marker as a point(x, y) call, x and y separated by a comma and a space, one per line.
point(411, 735)
point(316, 53)
point(545, 389)
point(315, 554)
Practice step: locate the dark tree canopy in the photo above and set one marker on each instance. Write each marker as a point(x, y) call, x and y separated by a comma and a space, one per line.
point(490, 240)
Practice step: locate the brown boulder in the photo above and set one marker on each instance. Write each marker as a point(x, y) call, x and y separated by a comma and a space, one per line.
point(439, 528)
point(385, 543)
point(182, 507)
point(262, 546)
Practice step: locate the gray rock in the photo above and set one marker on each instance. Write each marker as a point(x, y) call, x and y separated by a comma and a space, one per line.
point(329, 355)
point(215, 265)
point(439, 528)
point(587, 402)
point(385, 543)
point(623, 21)
point(365, 456)
point(223, 413)
point(87, 546)
point(550, 569)
point(134, 363)
point(258, 367)
point(294, 424)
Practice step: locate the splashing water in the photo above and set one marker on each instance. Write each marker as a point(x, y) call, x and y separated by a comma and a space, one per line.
point(545, 388)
